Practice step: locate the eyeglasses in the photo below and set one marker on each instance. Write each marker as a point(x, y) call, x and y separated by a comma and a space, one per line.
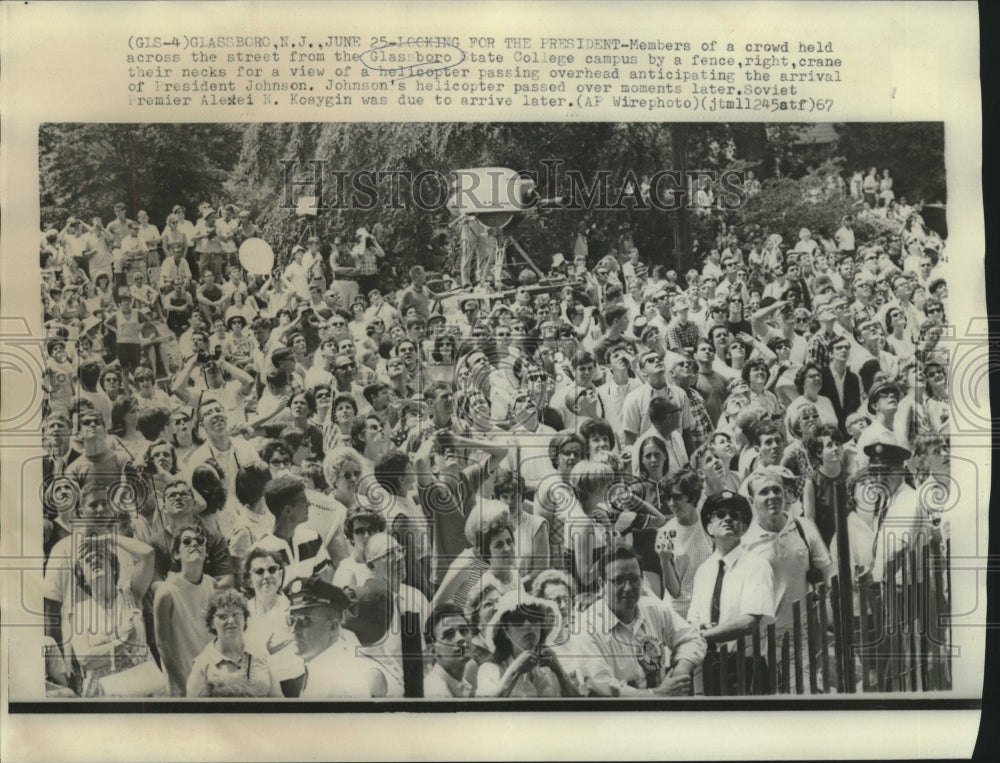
point(269, 570)
point(630, 580)
point(322, 393)
point(224, 617)
point(99, 423)
point(571, 452)
point(192, 541)
point(727, 514)
point(338, 324)
point(306, 621)
point(351, 474)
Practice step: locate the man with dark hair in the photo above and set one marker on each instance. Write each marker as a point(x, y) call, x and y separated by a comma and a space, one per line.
point(665, 423)
point(631, 635)
point(99, 461)
point(616, 323)
point(228, 451)
point(154, 421)
point(635, 409)
point(448, 637)
point(162, 529)
point(709, 382)
point(300, 547)
point(841, 386)
point(90, 376)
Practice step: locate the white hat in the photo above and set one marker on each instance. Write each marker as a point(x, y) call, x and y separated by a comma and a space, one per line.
point(540, 610)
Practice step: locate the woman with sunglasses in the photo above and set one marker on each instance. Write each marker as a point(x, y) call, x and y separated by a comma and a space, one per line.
point(899, 340)
point(323, 396)
point(682, 543)
point(360, 525)
point(186, 439)
point(225, 668)
point(179, 607)
point(267, 630)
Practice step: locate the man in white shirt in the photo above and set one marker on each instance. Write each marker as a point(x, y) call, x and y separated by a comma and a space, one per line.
point(883, 401)
point(174, 267)
point(733, 589)
point(905, 523)
point(845, 234)
point(635, 645)
point(315, 615)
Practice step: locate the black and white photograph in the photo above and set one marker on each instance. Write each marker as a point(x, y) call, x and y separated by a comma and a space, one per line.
point(485, 413)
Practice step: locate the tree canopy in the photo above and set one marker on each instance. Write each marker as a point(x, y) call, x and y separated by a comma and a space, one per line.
point(86, 168)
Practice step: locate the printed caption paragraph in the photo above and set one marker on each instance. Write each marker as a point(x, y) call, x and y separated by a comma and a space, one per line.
point(574, 75)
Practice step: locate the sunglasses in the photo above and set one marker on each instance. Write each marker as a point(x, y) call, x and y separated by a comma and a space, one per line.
point(189, 541)
point(269, 570)
point(727, 514)
point(306, 621)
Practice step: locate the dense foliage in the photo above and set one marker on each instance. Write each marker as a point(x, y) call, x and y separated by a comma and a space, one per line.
point(86, 168)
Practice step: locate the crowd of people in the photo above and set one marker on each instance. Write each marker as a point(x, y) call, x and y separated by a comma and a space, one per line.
point(306, 484)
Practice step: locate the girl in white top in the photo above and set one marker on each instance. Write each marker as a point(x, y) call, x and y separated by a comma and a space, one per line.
point(682, 543)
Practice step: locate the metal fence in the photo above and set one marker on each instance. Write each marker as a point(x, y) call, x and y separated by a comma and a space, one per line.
point(897, 637)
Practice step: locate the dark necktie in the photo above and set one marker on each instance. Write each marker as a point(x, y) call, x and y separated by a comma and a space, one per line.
point(717, 593)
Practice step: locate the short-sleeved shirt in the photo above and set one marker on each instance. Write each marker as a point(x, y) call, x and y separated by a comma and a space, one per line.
point(213, 674)
point(635, 409)
point(790, 558)
point(631, 653)
point(336, 673)
point(747, 588)
point(692, 546)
